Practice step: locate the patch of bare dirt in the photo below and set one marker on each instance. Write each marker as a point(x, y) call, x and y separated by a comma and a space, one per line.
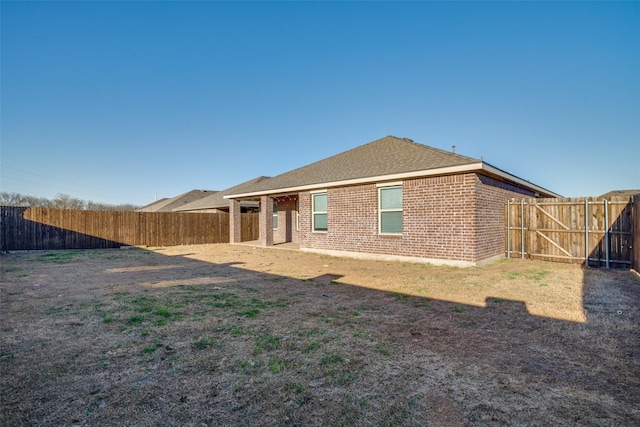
point(237, 335)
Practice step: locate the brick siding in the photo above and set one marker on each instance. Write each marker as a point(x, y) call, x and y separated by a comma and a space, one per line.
point(286, 231)
point(491, 196)
point(455, 217)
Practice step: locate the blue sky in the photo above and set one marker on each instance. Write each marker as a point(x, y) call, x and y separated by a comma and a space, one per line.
point(117, 102)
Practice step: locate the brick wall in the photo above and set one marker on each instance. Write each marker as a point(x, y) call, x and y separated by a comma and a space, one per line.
point(235, 222)
point(439, 214)
point(286, 231)
point(265, 229)
point(491, 196)
point(456, 217)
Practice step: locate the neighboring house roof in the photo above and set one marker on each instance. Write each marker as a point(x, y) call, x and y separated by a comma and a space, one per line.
point(217, 200)
point(620, 193)
point(170, 204)
point(388, 158)
point(151, 206)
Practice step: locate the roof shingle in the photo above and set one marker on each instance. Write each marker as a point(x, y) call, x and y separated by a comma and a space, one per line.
point(217, 200)
point(170, 204)
point(385, 156)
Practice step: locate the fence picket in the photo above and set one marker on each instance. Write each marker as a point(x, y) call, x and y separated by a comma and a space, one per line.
point(25, 228)
point(590, 230)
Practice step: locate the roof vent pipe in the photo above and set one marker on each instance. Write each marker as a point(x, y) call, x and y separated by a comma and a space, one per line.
point(453, 148)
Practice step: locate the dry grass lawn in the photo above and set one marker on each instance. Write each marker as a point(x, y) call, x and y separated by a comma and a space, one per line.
point(236, 335)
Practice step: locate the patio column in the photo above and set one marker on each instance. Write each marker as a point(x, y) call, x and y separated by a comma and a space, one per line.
point(235, 222)
point(266, 221)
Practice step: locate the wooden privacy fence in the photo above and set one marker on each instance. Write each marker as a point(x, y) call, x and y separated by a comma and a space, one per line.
point(595, 231)
point(636, 232)
point(42, 228)
point(249, 223)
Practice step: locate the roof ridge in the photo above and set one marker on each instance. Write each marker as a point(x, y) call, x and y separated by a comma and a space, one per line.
point(384, 156)
point(452, 153)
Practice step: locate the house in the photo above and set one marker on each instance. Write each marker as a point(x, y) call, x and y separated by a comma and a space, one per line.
point(389, 199)
point(151, 207)
point(172, 203)
point(620, 193)
point(217, 203)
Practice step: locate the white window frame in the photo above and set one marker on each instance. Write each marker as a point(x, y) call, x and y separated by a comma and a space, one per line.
point(275, 215)
point(381, 210)
point(314, 212)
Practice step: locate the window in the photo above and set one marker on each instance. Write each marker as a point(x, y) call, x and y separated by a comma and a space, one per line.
point(319, 211)
point(390, 199)
point(275, 215)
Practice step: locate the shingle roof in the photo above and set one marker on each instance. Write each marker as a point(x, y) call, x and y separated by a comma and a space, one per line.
point(151, 207)
point(386, 156)
point(620, 193)
point(168, 205)
point(217, 200)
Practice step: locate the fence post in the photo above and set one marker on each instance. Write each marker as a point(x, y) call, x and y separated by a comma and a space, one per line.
point(508, 228)
point(606, 231)
point(522, 227)
point(586, 233)
point(635, 232)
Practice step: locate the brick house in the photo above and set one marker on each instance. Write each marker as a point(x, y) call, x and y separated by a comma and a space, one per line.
point(389, 199)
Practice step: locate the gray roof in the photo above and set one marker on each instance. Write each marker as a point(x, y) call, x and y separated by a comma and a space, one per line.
point(386, 156)
point(217, 200)
point(151, 207)
point(170, 204)
point(620, 193)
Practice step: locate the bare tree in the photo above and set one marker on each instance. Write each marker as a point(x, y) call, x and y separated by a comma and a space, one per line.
point(61, 201)
point(11, 199)
point(65, 201)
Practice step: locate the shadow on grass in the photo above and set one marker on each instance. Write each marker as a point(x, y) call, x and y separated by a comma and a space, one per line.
point(186, 341)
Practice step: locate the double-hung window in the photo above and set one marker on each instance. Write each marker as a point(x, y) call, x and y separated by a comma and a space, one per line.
point(390, 210)
point(275, 215)
point(319, 211)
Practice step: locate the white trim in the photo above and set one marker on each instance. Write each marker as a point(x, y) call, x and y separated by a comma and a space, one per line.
point(381, 211)
point(471, 167)
point(313, 212)
point(392, 177)
point(502, 174)
point(324, 190)
point(389, 184)
point(274, 215)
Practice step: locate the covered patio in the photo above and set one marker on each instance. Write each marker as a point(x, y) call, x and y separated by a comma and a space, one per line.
point(278, 221)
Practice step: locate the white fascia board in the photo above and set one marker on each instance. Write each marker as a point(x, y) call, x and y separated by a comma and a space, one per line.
point(470, 167)
point(356, 181)
point(495, 171)
point(388, 184)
